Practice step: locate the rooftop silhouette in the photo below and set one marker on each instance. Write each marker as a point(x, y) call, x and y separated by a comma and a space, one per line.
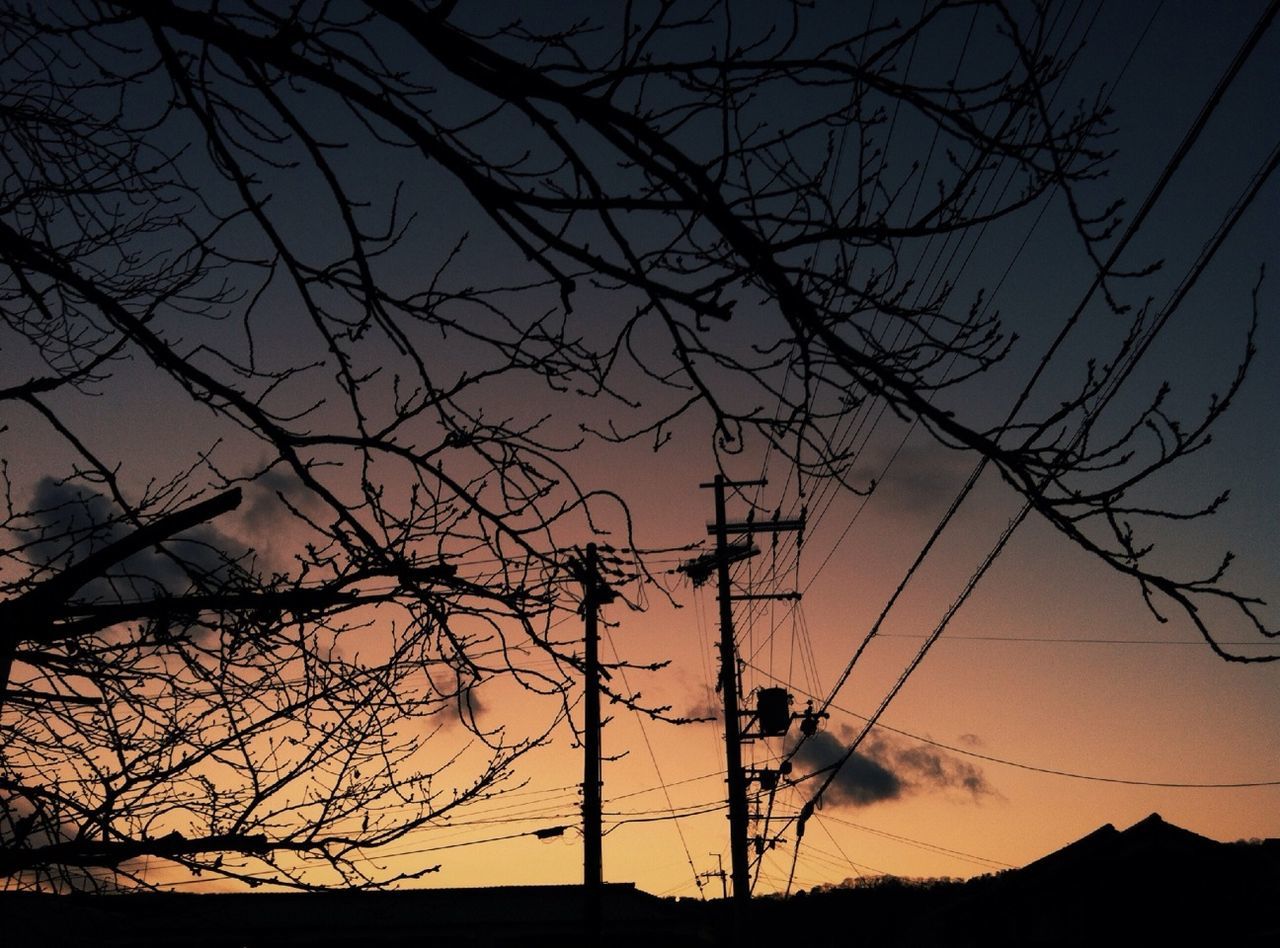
point(1149, 881)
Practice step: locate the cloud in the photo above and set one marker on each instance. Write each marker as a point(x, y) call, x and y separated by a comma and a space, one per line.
point(69, 522)
point(276, 506)
point(886, 768)
point(921, 478)
point(465, 707)
point(25, 828)
point(930, 767)
point(459, 701)
point(861, 781)
point(264, 512)
point(705, 711)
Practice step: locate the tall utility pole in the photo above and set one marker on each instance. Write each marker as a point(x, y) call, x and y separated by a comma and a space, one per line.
point(737, 780)
point(595, 593)
point(736, 777)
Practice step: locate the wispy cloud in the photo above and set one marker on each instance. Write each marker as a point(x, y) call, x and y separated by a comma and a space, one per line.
point(922, 476)
point(887, 768)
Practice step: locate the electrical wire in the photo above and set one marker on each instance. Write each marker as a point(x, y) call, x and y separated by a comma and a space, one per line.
point(644, 733)
point(1153, 196)
point(1055, 772)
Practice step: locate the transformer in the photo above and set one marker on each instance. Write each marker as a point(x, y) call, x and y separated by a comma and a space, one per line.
point(773, 711)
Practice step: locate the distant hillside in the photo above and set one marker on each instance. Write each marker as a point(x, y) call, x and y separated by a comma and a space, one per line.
point(1138, 886)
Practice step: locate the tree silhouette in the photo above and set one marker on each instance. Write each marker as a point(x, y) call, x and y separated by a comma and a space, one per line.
point(387, 267)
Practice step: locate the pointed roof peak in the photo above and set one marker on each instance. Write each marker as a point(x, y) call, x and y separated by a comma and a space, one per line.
point(1157, 831)
point(1154, 820)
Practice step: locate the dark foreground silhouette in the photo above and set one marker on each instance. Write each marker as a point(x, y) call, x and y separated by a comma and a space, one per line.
point(1143, 885)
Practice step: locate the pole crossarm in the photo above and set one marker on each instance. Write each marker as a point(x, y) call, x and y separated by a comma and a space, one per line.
point(758, 526)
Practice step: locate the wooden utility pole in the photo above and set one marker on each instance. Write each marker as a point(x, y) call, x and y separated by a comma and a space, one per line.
point(735, 776)
point(595, 593)
point(739, 871)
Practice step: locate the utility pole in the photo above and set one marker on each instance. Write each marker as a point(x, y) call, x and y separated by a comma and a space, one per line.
point(717, 874)
point(735, 776)
point(595, 593)
point(737, 780)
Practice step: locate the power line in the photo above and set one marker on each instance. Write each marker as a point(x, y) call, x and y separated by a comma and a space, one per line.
point(826, 493)
point(1058, 640)
point(1157, 190)
point(966, 752)
point(919, 844)
point(644, 733)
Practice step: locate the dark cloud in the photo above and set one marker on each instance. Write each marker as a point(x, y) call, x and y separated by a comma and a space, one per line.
point(467, 707)
point(68, 522)
point(886, 768)
point(921, 478)
point(464, 705)
point(24, 827)
point(860, 782)
point(929, 767)
point(459, 702)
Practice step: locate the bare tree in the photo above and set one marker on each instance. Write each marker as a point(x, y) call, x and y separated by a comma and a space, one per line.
point(681, 215)
point(168, 692)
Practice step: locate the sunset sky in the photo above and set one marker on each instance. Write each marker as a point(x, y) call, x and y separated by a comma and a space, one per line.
point(1053, 663)
point(1055, 700)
